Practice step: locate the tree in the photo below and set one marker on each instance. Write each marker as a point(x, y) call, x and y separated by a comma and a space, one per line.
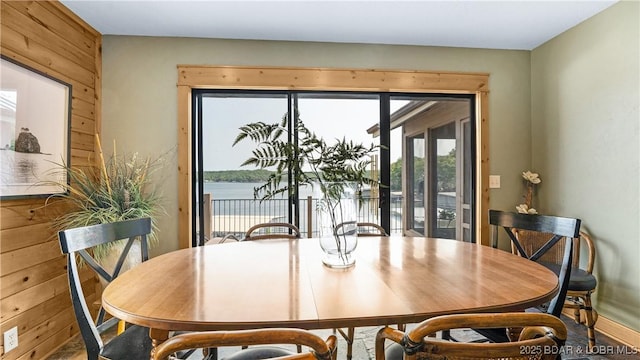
point(447, 172)
point(396, 175)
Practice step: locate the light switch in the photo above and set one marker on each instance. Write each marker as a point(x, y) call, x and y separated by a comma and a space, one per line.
point(494, 181)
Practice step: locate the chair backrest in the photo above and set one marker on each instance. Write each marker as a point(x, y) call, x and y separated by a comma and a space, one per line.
point(272, 231)
point(556, 228)
point(591, 250)
point(75, 243)
point(370, 229)
point(359, 228)
point(222, 240)
point(321, 349)
point(542, 335)
point(532, 240)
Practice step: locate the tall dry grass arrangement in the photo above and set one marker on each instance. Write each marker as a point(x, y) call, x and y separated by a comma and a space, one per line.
point(116, 189)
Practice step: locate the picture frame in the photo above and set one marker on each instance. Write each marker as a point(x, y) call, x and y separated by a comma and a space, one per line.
point(35, 126)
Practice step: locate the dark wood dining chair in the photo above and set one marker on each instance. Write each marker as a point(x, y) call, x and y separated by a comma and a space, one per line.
point(542, 337)
point(582, 282)
point(275, 230)
point(134, 342)
point(558, 233)
point(320, 349)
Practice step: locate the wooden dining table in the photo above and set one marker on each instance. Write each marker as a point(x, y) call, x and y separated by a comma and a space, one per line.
point(283, 283)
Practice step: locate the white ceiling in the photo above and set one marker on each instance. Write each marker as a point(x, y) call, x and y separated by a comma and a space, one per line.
point(505, 24)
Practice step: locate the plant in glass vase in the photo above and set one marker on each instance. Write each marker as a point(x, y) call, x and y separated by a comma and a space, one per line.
point(531, 180)
point(336, 172)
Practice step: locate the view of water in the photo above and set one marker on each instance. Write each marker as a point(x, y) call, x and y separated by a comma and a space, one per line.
point(27, 174)
point(229, 198)
point(237, 190)
point(234, 208)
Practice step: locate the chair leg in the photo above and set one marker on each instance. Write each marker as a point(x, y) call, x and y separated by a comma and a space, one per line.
point(122, 326)
point(351, 332)
point(210, 354)
point(348, 337)
point(576, 314)
point(589, 320)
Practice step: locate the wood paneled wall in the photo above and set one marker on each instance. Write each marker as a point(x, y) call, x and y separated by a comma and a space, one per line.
point(34, 293)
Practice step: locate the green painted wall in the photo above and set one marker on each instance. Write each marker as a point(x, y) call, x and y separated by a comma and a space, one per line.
point(585, 93)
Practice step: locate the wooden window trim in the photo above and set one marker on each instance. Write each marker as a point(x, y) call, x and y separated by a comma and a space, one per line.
point(329, 79)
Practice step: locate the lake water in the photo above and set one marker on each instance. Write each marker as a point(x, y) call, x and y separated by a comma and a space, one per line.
point(236, 190)
point(28, 174)
point(237, 198)
point(229, 190)
point(235, 210)
point(234, 207)
point(231, 198)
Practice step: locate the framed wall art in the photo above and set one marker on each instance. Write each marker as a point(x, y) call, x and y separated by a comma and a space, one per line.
point(35, 117)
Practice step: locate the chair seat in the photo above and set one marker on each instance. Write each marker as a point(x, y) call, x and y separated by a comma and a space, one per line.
point(394, 352)
point(133, 344)
point(580, 280)
point(259, 353)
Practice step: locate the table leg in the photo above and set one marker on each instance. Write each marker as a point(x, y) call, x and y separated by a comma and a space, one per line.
point(211, 354)
point(157, 337)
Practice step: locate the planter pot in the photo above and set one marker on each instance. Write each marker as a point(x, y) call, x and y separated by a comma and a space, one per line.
point(109, 261)
point(337, 214)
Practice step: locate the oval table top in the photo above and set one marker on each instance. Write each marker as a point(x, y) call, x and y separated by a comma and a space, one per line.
point(283, 283)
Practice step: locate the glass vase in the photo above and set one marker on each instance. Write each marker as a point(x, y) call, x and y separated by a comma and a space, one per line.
point(337, 215)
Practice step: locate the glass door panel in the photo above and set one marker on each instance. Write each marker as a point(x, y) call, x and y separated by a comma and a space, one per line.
point(227, 187)
point(334, 117)
point(438, 179)
point(465, 225)
point(442, 179)
point(415, 184)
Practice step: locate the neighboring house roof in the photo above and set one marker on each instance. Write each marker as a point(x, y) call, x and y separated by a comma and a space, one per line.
point(411, 110)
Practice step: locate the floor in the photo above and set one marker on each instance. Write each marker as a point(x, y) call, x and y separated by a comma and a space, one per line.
point(363, 346)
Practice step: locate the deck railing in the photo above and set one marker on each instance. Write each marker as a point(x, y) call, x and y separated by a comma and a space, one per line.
point(236, 216)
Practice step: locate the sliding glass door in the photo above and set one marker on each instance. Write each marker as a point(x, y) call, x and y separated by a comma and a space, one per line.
point(424, 169)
